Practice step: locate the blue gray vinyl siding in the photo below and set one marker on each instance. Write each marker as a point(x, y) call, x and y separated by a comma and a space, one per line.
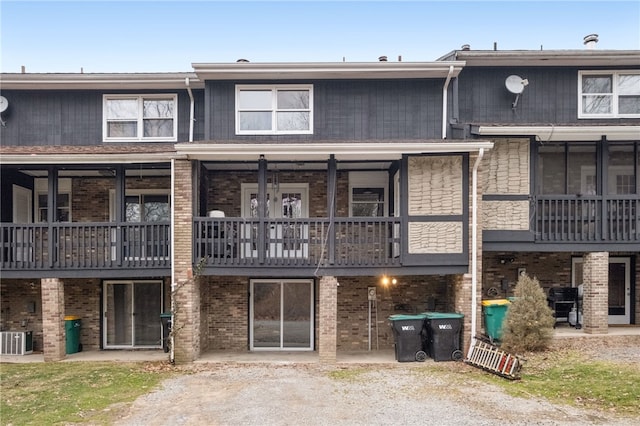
point(74, 118)
point(346, 110)
point(550, 97)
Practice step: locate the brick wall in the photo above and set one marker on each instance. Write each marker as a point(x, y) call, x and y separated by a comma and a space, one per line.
point(82, 299)
point(326, 325)
point(224, 192)
point(53, 319)
point(225, 304)
point(15, 302)
point(595, 293)
point(187, 319)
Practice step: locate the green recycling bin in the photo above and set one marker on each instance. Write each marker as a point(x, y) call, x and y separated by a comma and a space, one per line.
point(72, 325)
point(494, 313)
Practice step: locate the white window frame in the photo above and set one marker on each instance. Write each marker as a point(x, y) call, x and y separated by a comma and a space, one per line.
point(614, 94)
point(274, 110)
point(369, 180)
point(140, 118)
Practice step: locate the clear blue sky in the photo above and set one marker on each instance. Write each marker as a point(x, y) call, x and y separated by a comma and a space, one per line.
point(167, 36)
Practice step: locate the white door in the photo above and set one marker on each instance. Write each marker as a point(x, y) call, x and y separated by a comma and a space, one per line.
point(284, 239)
point(619, 287)
point(619, 290)
point(22, 213)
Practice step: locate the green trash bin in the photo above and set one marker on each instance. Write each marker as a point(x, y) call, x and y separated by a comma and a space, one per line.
point(494, 314)
point(72, 325)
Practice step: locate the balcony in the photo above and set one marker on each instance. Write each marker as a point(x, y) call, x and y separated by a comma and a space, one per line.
point(597, 219)
point(300, 243)
point(84, 246)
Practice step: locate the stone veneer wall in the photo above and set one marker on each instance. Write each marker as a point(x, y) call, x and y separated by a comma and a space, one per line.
point(435, 188)
point(506, 172)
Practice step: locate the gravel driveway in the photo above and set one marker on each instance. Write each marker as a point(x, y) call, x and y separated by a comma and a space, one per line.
point(313, 394)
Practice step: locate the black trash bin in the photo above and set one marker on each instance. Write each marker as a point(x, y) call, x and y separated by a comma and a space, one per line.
point(165, 317)
point(443, 335)
point(409, 335)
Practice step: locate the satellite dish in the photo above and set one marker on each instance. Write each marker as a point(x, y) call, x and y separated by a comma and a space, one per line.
point(515, 84)
point(4, 104)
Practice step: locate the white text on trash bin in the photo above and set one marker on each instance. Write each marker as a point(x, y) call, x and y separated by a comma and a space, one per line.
point(445, 327)
point(408, 327)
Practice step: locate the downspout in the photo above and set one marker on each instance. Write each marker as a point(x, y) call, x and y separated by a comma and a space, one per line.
point(191, 110)
point(474, 244)
point(444, 102)
point(173, 256)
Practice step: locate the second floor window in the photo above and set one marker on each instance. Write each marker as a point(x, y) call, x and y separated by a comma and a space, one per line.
point(274, 110)
point(606, 94)
point(140, 118)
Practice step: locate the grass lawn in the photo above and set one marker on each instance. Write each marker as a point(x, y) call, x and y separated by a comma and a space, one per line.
point(58, 393)
point(567, 377)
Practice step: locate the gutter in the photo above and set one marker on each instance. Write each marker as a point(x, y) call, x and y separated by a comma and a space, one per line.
point(474, 246)
point(444, 102)
point(173, 256)
point(191, 109)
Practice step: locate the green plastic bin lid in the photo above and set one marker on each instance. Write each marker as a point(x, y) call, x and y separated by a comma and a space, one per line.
point(397, 317)
point(443, 315)
point(165, 315)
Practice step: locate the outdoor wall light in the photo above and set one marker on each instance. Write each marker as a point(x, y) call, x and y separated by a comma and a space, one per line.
point(504, 260)
point(388, 280)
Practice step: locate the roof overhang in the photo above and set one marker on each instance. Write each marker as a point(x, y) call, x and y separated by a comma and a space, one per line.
point(332, 70)
point(52, 159)
point(322, 151)
point(563, 133)
point(90, 81)
point(546, 58)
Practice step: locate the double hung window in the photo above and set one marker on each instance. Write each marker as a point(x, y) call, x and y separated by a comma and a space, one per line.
point(609, 94)
point(140, 118)
point(284, 109)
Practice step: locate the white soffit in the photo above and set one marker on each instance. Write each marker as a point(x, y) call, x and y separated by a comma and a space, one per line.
point(565, 133)
point(330, 70)
point(99, 81)
point(310, 151)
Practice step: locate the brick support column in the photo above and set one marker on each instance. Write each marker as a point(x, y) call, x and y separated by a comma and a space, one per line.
point(328, 320)
point(595, 301)
point(186, 287)
point(53, 319)
point(462, 290)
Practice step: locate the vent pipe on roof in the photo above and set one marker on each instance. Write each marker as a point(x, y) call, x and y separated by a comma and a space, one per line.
point(466, 47)
point(382, 58)
point(242, 60)
point(590, 41)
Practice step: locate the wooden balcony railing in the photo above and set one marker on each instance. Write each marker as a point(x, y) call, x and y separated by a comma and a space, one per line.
point(587, 219)
point(84, 245)
point(347, 242)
